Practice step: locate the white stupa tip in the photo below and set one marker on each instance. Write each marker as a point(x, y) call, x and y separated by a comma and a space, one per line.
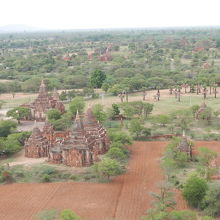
point(184, 133)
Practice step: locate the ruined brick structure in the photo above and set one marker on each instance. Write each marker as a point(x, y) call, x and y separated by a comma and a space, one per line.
point(201, 109)
point(43, 103)
point(79, 146)
point(107, 55)
point(185, 146)
point(37, 145)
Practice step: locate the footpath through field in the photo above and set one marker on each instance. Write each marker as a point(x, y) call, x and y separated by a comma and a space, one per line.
point(127, 197)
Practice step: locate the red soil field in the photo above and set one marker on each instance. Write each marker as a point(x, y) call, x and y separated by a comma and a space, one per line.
point(127, 197)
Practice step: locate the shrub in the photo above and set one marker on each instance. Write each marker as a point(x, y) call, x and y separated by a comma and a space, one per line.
point(116, 153)
point(207, 218)
point(68, 214)
point(7, 177)
point(48, 170)
point(78, 104)
point(7, 127)
point(162, 120)
point(211, 201)
point(99, 113)
point(51, 214)
point(195, 190)
point(120, 136)
point(46, 178)
point(74, 177)
point(182, 215)
point(107, 168)
point(53, 114)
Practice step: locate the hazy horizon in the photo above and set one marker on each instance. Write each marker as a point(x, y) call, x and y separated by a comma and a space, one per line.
point(98, 14)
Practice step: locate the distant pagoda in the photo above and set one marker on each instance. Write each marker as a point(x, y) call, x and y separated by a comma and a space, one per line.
point(43, 103)
point(185, 146)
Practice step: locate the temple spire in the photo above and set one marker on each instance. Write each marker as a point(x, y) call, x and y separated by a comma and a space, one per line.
point(78, 121)
point(55, 95)
point(43, 90)
point(184, 135)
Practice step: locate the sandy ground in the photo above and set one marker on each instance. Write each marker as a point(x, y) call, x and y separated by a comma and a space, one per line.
point(20, 159)
point(18, 95)
point(127, 197)
point(29, 125)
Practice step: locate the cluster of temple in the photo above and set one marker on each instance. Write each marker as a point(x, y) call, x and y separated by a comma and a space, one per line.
point(78, 146)
point(43, 103)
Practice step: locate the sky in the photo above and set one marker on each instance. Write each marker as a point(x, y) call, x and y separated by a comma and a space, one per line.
point(86, 14)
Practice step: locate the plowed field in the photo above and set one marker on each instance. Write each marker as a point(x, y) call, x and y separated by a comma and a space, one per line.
point(126, 197)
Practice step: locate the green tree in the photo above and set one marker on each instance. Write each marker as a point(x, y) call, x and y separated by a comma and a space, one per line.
point(116, 109)
point(68, 214)
point(162, 119)
point(164, 200)
point(206, 114)
point(194, 109)
point(19, 113)
point(97, 78)
point(99, 113)
point(7, 127)
point(107, 168)
point(120, 137)
point(205, 157)
point(77, 104)
point(53, 114)
point(116, 153)
point(147, 109)
point(195, 190)
point(182, 215)
point(63, 123)
point(211, 201)
point(136, 127)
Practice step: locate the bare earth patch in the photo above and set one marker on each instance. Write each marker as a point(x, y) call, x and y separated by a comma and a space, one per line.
point(126, 197)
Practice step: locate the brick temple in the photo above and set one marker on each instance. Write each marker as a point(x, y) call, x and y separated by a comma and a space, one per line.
point(185, 146)
point(79, 146)
point(43, 103)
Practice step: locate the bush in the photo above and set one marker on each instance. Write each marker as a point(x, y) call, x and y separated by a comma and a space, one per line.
point(46, 178)
point(120, 136)
point(182, 215)
point(116, 153)
point(207, 218)
point(53, 114)
point(195, 190)
point(99, 113)
point(51, 214)
point(48, 170)
point(107, 168)
point(68, 214)
point(78, 104)
point(7, 127)
point(211, 201)
point(11, 144)
point(7, 177)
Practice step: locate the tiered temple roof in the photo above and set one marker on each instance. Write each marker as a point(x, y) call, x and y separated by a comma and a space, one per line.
point(185, 146)
point(37, 145)
point(81, 147)
point(44, 102)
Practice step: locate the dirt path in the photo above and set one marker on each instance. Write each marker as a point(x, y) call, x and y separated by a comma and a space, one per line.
point(126, 197)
